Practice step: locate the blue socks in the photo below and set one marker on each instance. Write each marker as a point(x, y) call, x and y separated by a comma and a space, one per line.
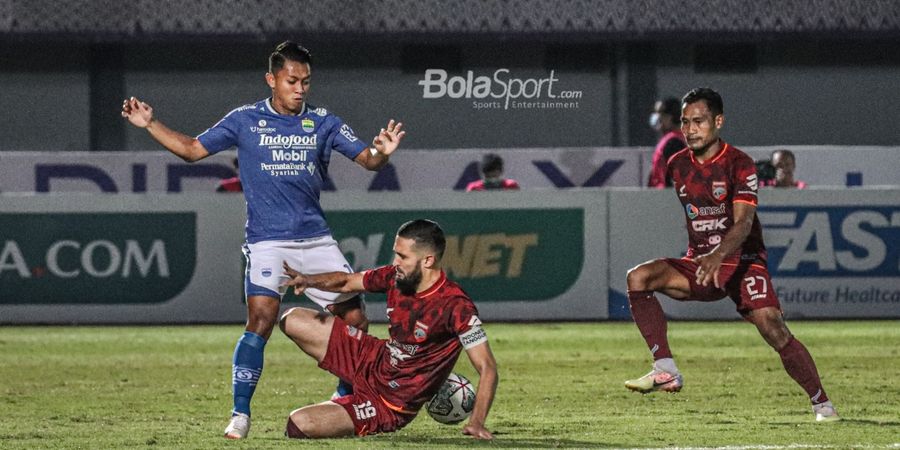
point(246, 369)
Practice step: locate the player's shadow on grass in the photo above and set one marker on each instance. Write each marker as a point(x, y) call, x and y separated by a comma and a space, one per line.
point(848, 420)
point(880, 423)
point(501, 441)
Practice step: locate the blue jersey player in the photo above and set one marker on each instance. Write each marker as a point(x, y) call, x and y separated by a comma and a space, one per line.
point(284, 147)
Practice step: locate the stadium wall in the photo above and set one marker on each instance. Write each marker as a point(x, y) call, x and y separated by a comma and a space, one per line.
point(528, 255)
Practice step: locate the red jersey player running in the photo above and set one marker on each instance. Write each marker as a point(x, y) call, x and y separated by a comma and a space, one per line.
point(717, 186)
point(431, 321)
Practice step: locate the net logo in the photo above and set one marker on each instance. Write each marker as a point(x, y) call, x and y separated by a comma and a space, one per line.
point(498, 255)
point(96, 258)
point(833, 242)
point(436, 83)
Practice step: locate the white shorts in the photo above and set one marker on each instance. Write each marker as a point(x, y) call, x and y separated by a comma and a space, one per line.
point(264, 274)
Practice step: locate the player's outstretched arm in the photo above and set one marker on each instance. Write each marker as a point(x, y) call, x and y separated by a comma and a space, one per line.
point(140, 114)
point(483, 360)
point(342, 282)
point(383, 146)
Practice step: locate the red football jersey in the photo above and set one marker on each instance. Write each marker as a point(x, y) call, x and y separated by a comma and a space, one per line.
point(506, 184)
point(427, 332)
point(708, 191)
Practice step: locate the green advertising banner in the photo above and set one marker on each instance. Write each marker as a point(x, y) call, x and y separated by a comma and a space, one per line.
point(495, 255)
point(96, 258)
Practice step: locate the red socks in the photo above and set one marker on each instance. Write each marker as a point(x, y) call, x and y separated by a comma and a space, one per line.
point(800, 366)
point(651, 321)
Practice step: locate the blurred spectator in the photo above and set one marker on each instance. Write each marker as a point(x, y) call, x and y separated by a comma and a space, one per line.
point(666, 120)
point(783, 162)
point(232, 184)
point(765, 172)
point(492, 176)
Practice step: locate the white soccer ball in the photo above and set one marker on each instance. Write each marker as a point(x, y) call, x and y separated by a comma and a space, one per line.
point(454, 402)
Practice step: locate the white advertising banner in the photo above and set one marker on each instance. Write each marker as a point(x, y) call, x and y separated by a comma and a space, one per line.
point(79, 258)
point(540, 255)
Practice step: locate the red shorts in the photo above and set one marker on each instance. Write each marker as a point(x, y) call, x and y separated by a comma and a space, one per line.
point(351, 355)
point(748, 285)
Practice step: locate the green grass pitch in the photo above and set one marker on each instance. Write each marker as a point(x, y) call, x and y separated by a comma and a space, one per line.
point(560, 387)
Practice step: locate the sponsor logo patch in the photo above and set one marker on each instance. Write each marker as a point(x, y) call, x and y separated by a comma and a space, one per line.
point(692, 211)
point(308, 125)
point(719, 190)
point(709, 225)
point(420, 332)
point(347, 132)
point(752, 182)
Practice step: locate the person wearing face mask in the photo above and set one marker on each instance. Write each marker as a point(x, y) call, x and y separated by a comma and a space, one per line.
point(492, 176)
point(784, 162)
point(665, 120)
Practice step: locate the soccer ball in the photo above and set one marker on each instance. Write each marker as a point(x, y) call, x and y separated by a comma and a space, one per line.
point(454, 402)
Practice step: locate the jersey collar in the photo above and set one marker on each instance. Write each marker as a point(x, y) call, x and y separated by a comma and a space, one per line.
point(272, 110)
point(721, 153)
point(434, 287)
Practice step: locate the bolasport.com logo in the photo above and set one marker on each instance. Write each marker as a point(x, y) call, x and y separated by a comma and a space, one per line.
point(499, 90)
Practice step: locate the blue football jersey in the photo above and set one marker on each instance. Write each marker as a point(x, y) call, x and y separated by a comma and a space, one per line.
point(283, 160)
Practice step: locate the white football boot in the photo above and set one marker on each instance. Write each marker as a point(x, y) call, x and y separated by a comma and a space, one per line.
point(825, 412)
point(239, 427)
point(656, 380)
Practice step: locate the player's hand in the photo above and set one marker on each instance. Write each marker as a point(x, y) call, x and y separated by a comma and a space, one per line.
point(708, 266)
point(389, 138)
point(297, 280)
point(477, 431)
point(137, 112)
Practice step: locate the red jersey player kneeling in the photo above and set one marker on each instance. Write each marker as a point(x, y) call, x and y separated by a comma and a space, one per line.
point(431, 321)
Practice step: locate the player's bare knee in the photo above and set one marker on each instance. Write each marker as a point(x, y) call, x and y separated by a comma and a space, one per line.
point(296, 422)
point(290, 319)
point(636, 278)
point(357, 319)
point(282, 322)
point(771, 327)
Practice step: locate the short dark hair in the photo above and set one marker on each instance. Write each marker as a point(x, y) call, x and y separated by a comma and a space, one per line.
point(288, 51)
point(491, 163)
point(672, 107)
point(712, 98)
point(785, 152)
point(425, 232)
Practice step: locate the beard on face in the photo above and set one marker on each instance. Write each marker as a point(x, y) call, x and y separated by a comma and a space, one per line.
point(410, 282)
